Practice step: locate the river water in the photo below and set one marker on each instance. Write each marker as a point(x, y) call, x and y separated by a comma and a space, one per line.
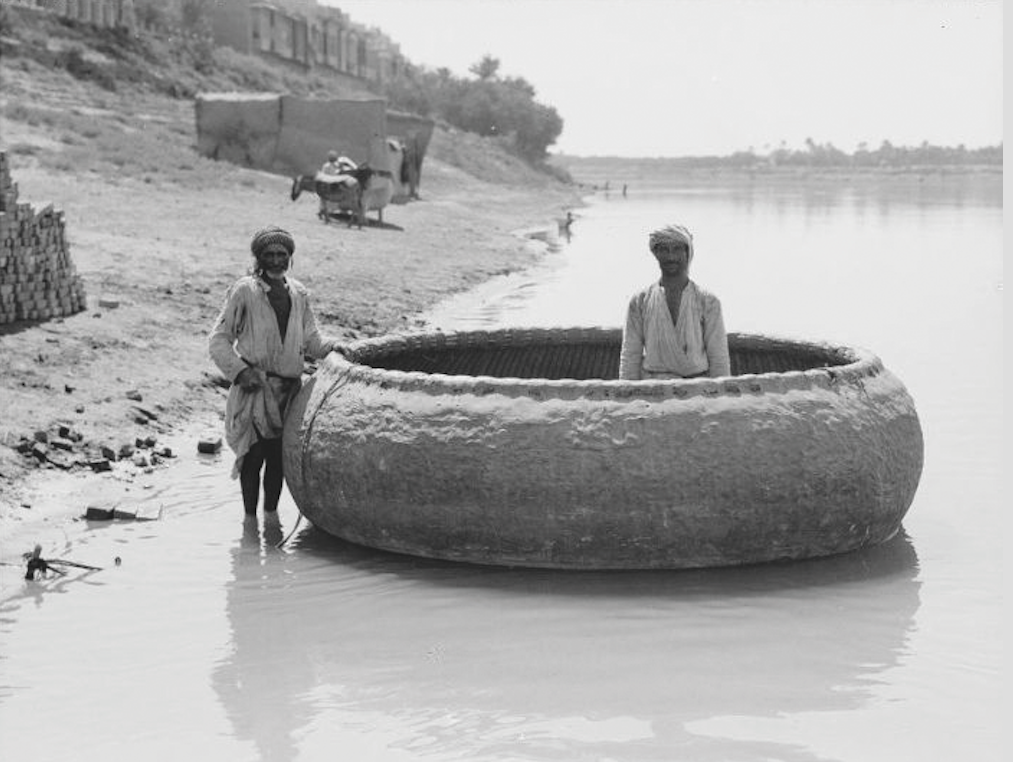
point(208, 642)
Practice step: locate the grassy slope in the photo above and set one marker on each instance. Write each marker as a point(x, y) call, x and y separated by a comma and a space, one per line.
point(89, 87)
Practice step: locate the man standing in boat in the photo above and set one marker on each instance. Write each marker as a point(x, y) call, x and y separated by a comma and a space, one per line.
point(258, 342)
point(674, 328)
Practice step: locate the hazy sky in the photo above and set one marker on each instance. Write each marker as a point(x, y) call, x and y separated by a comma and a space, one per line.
point(692, 77)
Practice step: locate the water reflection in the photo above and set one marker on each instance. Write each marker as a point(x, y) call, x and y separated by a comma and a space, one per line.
point(38, 590)
point(450, 659)
point(261, 682)
point(892, 559)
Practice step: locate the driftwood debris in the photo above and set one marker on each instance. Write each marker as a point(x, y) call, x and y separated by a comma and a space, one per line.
point(37, 565)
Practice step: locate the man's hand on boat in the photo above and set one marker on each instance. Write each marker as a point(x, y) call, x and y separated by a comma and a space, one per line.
point(339, 347)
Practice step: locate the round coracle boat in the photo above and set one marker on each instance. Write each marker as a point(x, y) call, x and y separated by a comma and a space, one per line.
point(522, 448)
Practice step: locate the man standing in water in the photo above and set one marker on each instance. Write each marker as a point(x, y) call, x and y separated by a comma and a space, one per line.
point(258, 342)
point(674, 328)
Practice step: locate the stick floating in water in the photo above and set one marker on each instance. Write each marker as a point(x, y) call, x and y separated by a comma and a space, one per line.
point(36, 564)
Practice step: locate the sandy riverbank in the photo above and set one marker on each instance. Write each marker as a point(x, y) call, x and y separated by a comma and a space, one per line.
point(165, 252)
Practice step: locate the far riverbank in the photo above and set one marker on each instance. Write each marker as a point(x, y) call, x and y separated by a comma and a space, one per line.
point(596, 173)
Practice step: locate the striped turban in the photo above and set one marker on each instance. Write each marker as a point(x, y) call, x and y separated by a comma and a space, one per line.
point(272, 234)
point(672, 234)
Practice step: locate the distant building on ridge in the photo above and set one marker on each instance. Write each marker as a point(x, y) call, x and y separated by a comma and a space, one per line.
point(308, 35)
point(300, 33)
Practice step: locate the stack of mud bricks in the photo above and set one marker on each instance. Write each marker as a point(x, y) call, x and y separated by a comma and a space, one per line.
point(37, 279)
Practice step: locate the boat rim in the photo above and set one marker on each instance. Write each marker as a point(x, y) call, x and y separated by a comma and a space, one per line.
point(855, 363)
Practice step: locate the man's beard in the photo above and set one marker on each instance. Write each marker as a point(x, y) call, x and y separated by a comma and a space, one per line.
point(275, 271)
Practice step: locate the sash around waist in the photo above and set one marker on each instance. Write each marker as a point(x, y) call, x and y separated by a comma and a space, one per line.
point(271, 373)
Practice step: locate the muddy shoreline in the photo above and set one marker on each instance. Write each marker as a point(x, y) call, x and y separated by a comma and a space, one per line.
point(156, 259)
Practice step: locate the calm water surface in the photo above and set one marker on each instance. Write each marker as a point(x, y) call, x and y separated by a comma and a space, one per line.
point(207, 642)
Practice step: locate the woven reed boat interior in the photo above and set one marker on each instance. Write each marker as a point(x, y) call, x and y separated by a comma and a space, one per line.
point(550, 355)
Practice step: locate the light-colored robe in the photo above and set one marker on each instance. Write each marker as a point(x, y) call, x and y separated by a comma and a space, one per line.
point(245, 335)
point(654, 347)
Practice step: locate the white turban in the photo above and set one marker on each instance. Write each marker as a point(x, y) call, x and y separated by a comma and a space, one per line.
point(672, 234)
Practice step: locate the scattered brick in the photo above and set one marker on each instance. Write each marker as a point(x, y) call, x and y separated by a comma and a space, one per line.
point(209, 443)
point(151, 416)
point(95, 513)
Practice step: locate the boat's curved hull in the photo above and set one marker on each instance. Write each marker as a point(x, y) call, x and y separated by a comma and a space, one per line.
point(603, 473)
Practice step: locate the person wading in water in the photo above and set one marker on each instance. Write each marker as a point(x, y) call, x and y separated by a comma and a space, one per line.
point(258, 341)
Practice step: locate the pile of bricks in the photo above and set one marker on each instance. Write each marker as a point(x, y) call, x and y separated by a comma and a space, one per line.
point(37, 279)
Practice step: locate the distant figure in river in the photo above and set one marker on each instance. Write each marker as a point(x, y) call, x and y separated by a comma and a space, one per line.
point(566, 225)
point(674, 328)
point(624, 190)
point(258, 341)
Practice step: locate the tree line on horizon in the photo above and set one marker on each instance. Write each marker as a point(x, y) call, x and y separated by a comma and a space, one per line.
point(825, 155)
point(504, 108)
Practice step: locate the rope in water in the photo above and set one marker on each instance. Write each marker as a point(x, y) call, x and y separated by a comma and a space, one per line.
point(296, 527)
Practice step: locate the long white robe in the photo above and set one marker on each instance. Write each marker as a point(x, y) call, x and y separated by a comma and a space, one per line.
point(655, 347)
point(246, 334)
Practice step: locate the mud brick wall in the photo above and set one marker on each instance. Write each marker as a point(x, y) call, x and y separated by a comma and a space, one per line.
point(38, 281)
